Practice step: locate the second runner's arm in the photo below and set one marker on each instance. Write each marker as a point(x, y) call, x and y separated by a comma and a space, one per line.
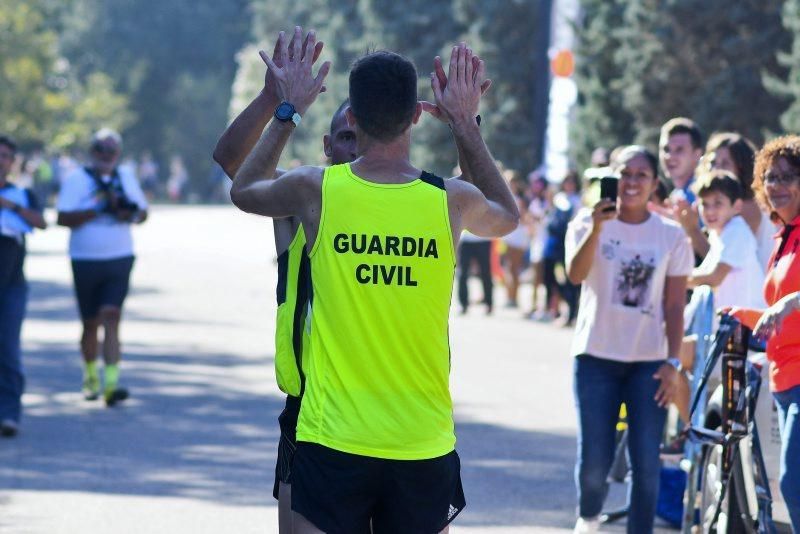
point(238, 139)
point(255, 189)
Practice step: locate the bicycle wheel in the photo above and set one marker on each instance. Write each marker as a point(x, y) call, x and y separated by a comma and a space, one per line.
point(730, 519)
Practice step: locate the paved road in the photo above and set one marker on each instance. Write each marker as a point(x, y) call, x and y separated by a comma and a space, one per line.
point(193, 450)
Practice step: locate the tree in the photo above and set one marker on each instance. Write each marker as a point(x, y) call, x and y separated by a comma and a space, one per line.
point(602, 118)
point(44, 101)
point(28, 59)
point(504, 34)
point(788, 87)
point(175, 60)
point(698, 58)
point(417, 29)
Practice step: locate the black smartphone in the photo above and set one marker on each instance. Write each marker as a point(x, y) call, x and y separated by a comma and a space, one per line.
point(608, 190)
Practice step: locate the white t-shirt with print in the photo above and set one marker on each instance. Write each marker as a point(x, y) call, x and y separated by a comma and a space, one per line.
point(104, 237)
point(621, 314)
point(736, 246)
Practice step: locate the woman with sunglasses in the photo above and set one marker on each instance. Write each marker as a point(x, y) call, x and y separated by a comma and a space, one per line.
point(777, 187)
point(633, 266)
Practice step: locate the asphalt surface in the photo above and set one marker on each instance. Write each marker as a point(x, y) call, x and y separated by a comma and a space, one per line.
point(193, 450)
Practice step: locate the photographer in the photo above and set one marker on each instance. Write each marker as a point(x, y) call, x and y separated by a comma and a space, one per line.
point(99, 203)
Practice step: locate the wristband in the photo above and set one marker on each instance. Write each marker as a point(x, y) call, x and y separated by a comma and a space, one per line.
point(676, 363)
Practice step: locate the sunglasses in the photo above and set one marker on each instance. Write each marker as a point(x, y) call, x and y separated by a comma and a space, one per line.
point(105, 149)
point(779, 179)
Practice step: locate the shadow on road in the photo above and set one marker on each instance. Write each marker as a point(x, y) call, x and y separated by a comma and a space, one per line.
point(54, 301)
point(188, 430)
point(516, 477)
point(192, 430)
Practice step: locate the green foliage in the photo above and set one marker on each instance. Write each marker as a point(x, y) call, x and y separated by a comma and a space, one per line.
point(504, 33)
point(788, 87)
point(417, 29)
point(89, 107)
point(602, 118)
point(653, 60)
point(28, 54)
point(44, 101)
point(174, 59)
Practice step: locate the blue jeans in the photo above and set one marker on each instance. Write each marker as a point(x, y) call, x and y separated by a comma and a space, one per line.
point(601, 386)
point(12, 382)
point(789, 419)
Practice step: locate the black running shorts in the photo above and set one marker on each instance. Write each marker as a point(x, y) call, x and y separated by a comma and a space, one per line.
point(342, 493)
point(100, 283)
point(287, 443)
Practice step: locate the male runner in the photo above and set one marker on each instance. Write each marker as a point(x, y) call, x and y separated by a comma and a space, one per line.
point(375, 436)
point(291, 344)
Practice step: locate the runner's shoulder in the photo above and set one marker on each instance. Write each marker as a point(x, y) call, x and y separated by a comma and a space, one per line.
point(462, 191)
point(306, 176)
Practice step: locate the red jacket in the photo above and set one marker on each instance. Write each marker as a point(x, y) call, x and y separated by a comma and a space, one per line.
point(783, 278)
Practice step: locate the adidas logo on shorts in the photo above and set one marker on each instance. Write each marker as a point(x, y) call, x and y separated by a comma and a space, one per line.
point(450, 513)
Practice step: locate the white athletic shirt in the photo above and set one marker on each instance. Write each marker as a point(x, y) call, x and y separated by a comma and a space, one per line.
point(102, 238)
point(734, 246)
point(765, 239)
point(621, 313)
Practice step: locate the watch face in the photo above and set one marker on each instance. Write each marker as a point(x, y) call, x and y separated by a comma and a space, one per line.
point(284, 111)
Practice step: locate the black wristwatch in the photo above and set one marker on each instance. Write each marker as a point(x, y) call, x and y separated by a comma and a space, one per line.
point(286, 112)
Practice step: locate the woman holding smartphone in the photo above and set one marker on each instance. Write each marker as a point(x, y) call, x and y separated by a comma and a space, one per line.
point(633, 267)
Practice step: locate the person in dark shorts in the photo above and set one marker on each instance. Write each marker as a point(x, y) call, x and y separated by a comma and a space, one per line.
point(20, 212)
point(293, 295)
point(99, 203)
point(375, 434)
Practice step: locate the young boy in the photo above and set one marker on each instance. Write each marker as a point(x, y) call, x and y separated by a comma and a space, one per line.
point(731, 266)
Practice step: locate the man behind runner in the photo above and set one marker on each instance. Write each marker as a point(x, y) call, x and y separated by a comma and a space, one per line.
point(293, 270)
point(375, 435)
point(99, 203)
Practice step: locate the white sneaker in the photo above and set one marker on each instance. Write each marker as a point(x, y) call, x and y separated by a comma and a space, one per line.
point(587, 525)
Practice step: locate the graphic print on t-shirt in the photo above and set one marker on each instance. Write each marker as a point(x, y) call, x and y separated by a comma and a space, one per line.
point(634, 275)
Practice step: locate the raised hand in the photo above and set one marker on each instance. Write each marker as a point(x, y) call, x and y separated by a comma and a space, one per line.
point(457, 94)
point(441, 77)
point(292, 74)
point(270, 86)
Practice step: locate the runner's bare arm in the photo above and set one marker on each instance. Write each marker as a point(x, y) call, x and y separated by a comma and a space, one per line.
point(493, 212)
point(254, 189)
point(241, 136)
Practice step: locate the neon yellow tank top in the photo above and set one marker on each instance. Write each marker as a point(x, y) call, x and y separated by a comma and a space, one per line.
point(377, 378)
point(291, 338)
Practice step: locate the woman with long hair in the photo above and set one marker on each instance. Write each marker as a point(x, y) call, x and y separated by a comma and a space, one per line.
point(732, 152)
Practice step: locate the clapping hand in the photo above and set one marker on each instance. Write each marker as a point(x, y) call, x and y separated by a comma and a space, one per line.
point(270, 87)
point(292, 75)
point(459, 91)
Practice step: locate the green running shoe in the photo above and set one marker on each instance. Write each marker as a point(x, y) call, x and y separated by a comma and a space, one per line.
point(91, 387)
